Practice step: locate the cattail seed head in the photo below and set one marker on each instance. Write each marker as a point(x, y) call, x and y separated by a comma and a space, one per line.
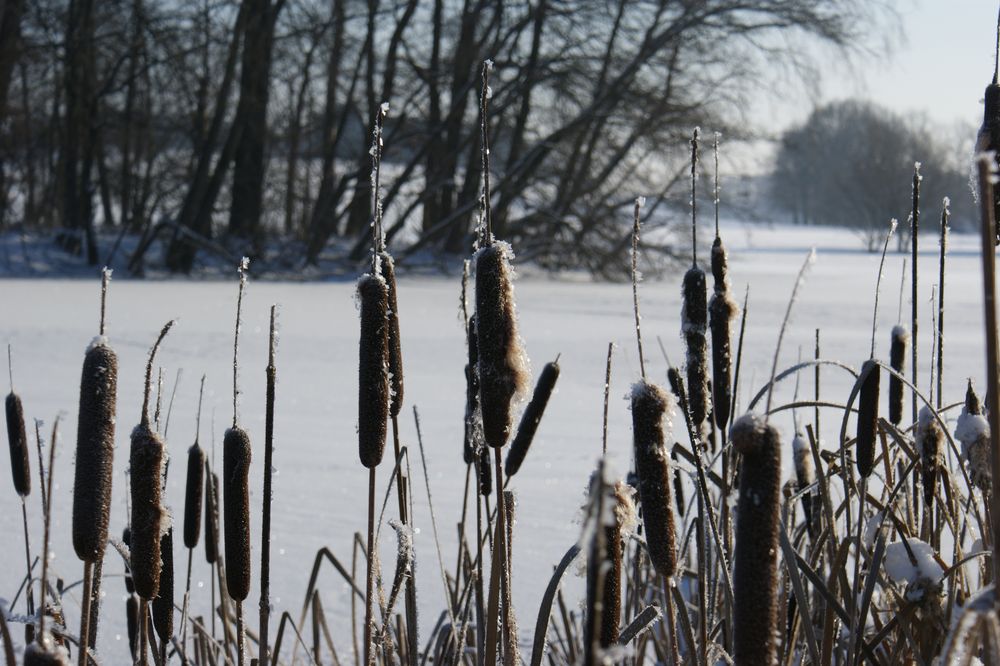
point(485, 471)
point(531, 417)
point(897, 361)
point(930, 445)
point(973, 431)
point(193, 495)
point(46, 652)
point(694, 318)
point(211, 516)
point(373, 369)
point(395, 349)
point(146, 459)
point(624, 521)
point(236, 510)
point(95, 450)
point(755, 567)
point(502, 371)
point(867, 416)
point(18, 442)
point(132, 623)
point(989, 138)
point(721, 310)
point(163, 604)
point(473, 426)
point(651, 411)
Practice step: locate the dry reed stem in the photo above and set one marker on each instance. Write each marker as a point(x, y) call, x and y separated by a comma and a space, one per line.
point(265, 550)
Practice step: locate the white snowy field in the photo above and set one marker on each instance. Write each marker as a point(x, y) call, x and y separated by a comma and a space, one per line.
point(320, 486)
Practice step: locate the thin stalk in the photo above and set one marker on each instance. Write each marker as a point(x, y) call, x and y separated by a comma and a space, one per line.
point(240, 635)
point(914, 229)
point(88, 582)
point(607, 394)
point(635, 282)
point(265, 550)
point(29, 596)
point(370, 569)
point(992, 344)
point(945, 214)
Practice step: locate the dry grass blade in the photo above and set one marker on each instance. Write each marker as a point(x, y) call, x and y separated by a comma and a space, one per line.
point(545, 609)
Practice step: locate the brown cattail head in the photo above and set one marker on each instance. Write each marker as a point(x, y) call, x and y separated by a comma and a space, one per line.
point(18, 441)
point(236, 510)
point(132, 624)
point(373, 369)
point(722, 310)
point(127, 540)
point(211, 516)
point(193, 495)
point(929, 439)
point(989, 138)
point(163, 604)
point(867, 416)
point(95, 450)
point(485, 471)
point(973, 431)
point(531, 417)
point(624, 521)
point(694, 323)
point(146, 459)
point(651, 411)
point(395, 349)
point(897, 361)
point(755, 560)
point(502, 371)
point(473, 438)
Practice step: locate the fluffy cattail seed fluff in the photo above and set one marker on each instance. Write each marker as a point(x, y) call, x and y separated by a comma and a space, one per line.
point(163, 604)
point(758, 516)
point(395, 349)
point(236, 511)
point(502, 372)
point(45, 652)
point(95, 449)
point(867, 416)
point(694, 317)
point(531, 417)
point(651, 409)
point(373, 369)
point(897, 361)
point(18, 442)
point(193, 495)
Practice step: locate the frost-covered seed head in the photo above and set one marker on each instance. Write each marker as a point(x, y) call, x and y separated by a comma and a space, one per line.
point(867, 417)
point(373, 369)
point(18, 442)
point(236, 511)
point(146, 459)
point(897, 361)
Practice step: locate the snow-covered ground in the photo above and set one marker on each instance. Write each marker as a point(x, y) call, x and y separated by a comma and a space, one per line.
point(319, 490)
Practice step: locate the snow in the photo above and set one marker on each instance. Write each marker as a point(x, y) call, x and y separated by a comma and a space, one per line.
point(900, 568)
point(320, 489)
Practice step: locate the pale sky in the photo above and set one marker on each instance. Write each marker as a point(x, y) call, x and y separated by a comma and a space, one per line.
point(940, 65)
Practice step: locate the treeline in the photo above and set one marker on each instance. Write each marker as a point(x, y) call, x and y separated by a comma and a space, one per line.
point(203, 124)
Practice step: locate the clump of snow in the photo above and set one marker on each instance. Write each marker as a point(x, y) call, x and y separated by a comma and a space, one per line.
point(98, 341)
point(900, 332)
point(901, 569)
point(872, 529)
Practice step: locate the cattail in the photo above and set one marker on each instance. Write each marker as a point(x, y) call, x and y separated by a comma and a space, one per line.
point(193, 495)
point(897, 360)
point(236, 511)
point(694, 318)
point(651, 410)
point(721, 310)
point(45, 652)
point(471, 396)
point(485, 472)
point(867, 416)
point(95, 450)
point(502, 372)
point(973, 431)
point(624, 521)
point(805, 476)
point(531, 417)
point(18, 442)
point(127, 540)
point(989, 138)
point(395, 350)
point(163, 604)
point(373, 377)
point(132, 624)
point(929, 440)
point(755, 569)
point(146, 459)
point(211, 517)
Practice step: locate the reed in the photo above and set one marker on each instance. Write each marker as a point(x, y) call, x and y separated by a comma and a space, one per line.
point(694, 312)
point(17, 441)
point(973, 432)
point(651, 410)
point(373, 378)
point(867, 430)
point(805, 476)
point(756, 582)
point(897, 361)
point(271, 373)
point(531, 418)
point(163, 604)
point(388, 267)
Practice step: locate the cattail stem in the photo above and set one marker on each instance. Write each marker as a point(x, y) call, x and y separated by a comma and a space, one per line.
point(88, 581)
point(914, 230)
point(486, 231)
point(945, 215)
point(240, 635)
point(105, 281)
point(992, 344)
point(265, 550)
point(29, 596)
point(500, 548)
point(607, 395)
point(694, 196)
point(635, 283)
point(878, 282)
point(244, 264)
point(370, 570)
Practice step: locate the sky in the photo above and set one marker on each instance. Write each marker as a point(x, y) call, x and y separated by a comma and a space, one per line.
point(940, 64)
